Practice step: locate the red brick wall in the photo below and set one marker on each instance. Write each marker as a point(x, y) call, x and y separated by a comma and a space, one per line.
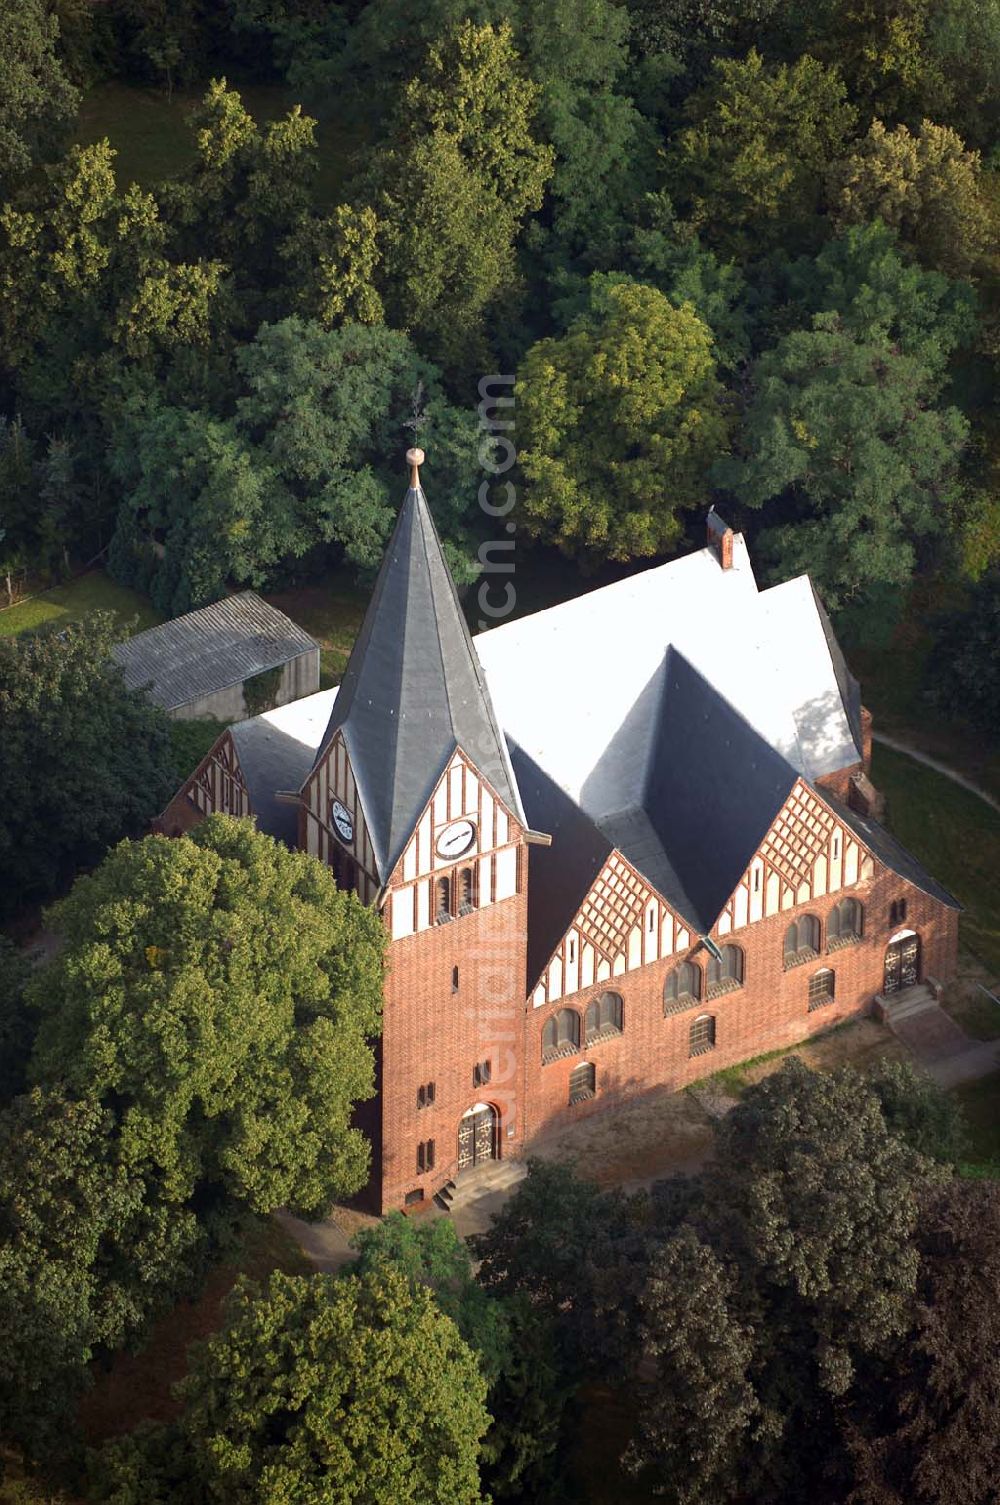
point(178, 818)
point(431, 1034)
point(769, 1012)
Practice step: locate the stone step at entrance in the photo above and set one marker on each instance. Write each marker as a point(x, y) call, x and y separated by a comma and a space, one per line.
point(895, 1006)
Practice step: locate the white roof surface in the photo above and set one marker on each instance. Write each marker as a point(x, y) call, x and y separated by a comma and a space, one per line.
point(579, 686)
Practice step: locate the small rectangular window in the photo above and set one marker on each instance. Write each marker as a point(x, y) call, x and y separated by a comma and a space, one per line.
point(652, 921)
point(756, 880)
point(836, 846)
point(425, 1156)
point(425, 1095)
point(454, 979)
point(572, 950)
point(481, 1074)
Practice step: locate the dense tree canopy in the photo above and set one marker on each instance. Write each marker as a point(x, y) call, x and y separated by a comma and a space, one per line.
point(752, 157)
point(37, 101)
point(925, 185)
point(618, 421)
point(844, 433)
point(218, 992)
point(335, 1390)
point(83, 760)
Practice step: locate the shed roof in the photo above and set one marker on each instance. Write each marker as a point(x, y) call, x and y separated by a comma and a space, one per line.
point(210, 649)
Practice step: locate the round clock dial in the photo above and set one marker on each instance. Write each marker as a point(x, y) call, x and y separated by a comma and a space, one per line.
point(343, 823)
point(456, 839)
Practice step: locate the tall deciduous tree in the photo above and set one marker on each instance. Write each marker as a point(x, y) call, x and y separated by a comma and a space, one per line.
point(750, 162)
point(332, 1390)
point(83, 760)
point(218, 993)
point(619, 420)
point(37, 101)
point(928, 1426)
point(461, 172)
point(925, 185)
point(847, 453)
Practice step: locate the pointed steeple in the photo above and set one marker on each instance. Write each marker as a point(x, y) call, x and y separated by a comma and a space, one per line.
point(414, 689)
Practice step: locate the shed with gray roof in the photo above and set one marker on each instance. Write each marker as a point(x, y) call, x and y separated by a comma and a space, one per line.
point(203, 664)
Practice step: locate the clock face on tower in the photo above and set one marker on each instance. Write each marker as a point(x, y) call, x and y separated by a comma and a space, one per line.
point(455, 839)
point(341, 817)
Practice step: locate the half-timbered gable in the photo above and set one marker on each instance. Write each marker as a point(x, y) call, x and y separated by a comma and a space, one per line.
point(334, 825)
point(807, 854)
point(217, 785)
point(463, 855)
point(623, 924)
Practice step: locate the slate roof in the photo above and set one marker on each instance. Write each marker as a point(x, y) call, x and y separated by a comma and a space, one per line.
point(579, 686)
point(208, 650)
point(414, 691)
point(276, 752)
point(561, 873)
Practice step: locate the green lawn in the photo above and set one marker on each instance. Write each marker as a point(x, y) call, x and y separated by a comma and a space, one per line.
point(981, 1106)
point(893, 689)
point(955, 835)
point(153, 140)
point(331, 611)
point(68, 603)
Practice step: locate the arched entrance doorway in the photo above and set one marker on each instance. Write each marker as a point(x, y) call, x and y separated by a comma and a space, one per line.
point(477, 1136)
point(902, 962)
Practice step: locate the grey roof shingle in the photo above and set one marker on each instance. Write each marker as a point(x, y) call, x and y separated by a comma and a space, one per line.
point(210, 649)
point(413, 690)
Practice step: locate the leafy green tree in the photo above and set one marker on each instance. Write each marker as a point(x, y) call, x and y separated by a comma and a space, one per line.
point(308, 459)
point(338, 258)
point(335, 1390)
point(17, 1027)
point(926, 186)
point(84, 1260)
point(813, 1200)
point(919, 1112)
point(619, 420)
point(696, 1412)
point(37, 101)
point(83, 760)
point(962, 673)
point(863, 277)
point(512, 1340)
point(460, 173)
point(244, 201)
point(927, 1428)
point(217, 993)
point(750, 161)
point(843, 447)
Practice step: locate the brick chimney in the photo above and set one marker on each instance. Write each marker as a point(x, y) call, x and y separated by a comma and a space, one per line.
point(720, 538)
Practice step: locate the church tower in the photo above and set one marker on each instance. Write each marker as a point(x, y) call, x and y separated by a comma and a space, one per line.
point(413, 801)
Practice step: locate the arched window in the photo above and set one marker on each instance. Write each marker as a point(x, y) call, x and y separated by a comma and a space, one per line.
point(897, 913)
point(682, 988)
point(442, 900)
point(845, 924)
point(702, 1035)
point(822, 986)
point(466, 891)
point(725, 974)
point(561, 1035)
point(582, 1082)
point(604, 1017)
point(801, 941)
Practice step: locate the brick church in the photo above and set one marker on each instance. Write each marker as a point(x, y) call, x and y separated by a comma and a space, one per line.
point(617, 844)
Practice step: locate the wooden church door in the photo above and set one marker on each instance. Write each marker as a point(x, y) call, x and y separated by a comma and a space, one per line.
point(477, 1139)
point(902, 964)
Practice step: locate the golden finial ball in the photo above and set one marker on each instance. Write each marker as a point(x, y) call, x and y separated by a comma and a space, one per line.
point(415, 457)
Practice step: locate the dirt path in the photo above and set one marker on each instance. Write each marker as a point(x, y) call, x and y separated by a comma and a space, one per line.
point(938, 767)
